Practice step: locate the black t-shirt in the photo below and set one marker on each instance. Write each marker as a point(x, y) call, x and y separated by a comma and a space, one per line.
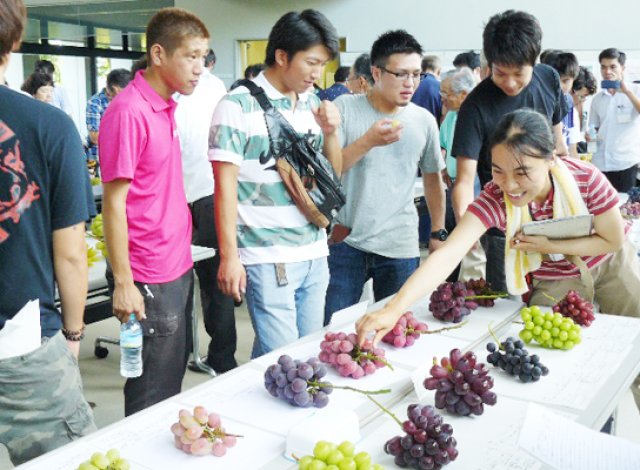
point(487, 104)
point(42, 189)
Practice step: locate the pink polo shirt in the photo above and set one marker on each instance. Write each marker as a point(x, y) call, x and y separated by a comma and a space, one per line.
point(139, 142)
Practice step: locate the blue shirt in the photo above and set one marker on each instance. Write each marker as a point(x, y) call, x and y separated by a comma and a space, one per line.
point(428, 96)
point(333, 92)
point(96, 106)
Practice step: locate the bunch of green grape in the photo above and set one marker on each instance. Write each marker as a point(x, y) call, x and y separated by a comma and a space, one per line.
point(328, 456)
point(549, 329)
point(109, 461)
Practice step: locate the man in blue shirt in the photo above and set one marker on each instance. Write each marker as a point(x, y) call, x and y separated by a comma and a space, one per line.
point(338, 88)
point(428, 93)
point(97, 105)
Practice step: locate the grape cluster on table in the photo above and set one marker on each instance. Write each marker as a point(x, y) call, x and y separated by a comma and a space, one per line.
point(405, 332)
point(463, 385)
point(298, 382)
point(575, 307)
point(511, 357)
point(342, 351)
point(481, 287)
point(201, 433)
point(327, 455)
point(109, 461)
point(449, 302)
point(548, 329)
point(428, 442)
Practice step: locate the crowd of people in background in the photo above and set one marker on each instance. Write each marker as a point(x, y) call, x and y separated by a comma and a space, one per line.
point(495, 137)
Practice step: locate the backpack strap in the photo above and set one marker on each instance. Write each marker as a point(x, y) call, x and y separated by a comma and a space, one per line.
point(258, 93)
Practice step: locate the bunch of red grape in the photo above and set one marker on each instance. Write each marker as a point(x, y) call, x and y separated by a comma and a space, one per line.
point(481, 287)
point(575, 307)
point(630, 210)
point(348, 358)
point(405, 332)
point(463, 385)
point(201, 433)
point(297, 382)
point(428, 442)
point(450, 302)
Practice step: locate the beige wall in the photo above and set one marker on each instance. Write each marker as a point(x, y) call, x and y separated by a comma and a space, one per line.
point(443, 27)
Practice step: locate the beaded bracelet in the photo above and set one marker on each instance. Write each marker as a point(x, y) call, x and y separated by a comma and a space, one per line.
point(74, 335)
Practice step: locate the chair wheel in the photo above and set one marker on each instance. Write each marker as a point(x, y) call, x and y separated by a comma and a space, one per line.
point(101, 352)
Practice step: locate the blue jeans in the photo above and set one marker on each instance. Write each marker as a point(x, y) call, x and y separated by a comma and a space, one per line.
point(350, 268)
point(282, 314)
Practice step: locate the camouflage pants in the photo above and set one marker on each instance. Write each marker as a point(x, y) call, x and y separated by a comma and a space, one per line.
point(41, 402)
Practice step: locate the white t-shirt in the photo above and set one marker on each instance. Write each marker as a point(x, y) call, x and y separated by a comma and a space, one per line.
point(618, 124)
point(193, 117)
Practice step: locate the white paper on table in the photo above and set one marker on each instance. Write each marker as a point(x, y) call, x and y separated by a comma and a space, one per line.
point(246, 400)
point(301, 351)
point(349, 315)
point(569, 383)
point(21, 334)
point(423, 350)
point(567, 445)
point(487, 442)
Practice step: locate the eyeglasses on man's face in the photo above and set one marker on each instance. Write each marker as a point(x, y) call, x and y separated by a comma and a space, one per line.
point(403, 76)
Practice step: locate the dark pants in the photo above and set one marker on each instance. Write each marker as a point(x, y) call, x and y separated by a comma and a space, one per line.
point(623, 180)
point(217, 308)
point(167, 342)
point(493, 245)
point(349, 270)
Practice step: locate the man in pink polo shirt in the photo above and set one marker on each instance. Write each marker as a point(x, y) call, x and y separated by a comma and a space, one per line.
point(146, 217)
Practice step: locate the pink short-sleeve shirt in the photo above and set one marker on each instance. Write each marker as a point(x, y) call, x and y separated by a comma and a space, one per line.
point(139, 142)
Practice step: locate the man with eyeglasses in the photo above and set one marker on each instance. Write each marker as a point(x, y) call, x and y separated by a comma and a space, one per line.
point(385, 139)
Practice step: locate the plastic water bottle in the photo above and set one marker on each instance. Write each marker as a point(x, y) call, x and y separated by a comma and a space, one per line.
point(131, 348)
point(592, 145)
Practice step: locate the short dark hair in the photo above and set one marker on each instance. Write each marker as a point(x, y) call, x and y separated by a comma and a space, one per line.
point(565, 63)
point(119, 78)
point(430, 62)
point(210, 58)
point(138, 65)
point(393, 42)
point(341, 74)
point(35, 81)
point(13, 16)
point(613, 53)
point(524, 132)
point(547, 54)
point(253, 70)
point(469, 59)
point(44, 66)
point(362, 68)
point(512, 38)
point(299, 31)
point(169, 27)
point(585, 79)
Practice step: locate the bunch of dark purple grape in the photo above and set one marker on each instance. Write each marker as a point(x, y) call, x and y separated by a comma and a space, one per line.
point(634, 194)
point(463, 385)
point(297, 382)
point(483, 293)
point(428, 443)
point(451, 302)
point(512, 358)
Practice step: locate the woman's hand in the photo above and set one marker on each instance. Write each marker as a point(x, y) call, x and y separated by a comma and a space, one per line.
point(378, 323)
point(532, 244)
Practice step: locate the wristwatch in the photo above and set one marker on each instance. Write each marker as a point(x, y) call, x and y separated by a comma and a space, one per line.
point(441, 235)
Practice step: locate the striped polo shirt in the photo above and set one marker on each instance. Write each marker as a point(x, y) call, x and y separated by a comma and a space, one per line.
point(596, 191)
point(271, 229)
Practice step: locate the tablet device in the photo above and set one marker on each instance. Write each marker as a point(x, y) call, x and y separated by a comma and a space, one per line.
point(562, 228)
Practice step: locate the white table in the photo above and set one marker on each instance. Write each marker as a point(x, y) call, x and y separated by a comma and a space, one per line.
point(247, 409)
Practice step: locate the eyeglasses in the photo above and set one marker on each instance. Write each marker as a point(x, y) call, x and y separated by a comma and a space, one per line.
point(403, 76)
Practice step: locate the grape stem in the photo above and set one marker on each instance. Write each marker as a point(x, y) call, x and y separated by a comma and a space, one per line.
point(385, 409)
point(496, 295)
point(217, 433)
point(553, 299)
point(369, 355)
point(493, 335)
point(315, 383)
point(439, 330)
